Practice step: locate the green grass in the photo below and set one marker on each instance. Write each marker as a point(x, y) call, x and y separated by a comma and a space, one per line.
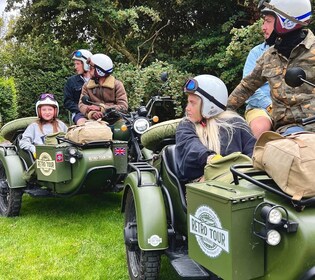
point(74, 238)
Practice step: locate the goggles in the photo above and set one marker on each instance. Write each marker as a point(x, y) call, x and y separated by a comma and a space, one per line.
point(191, 86)
point(43, 96)
point(100, 71)
point(79, 54)
point(265, 4)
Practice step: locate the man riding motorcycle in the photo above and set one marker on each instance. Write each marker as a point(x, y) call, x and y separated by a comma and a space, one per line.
point(293, 46)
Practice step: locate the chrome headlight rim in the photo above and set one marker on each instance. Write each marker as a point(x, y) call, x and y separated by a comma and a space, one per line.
point(141, 125)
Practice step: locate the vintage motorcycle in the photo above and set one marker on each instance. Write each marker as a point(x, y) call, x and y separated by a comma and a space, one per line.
point(245, 229)
point(66, 168)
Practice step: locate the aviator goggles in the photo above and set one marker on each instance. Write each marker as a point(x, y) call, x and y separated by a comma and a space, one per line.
point(265, 4)
point(101, 72)
point(79, 54)
point(43, 96)
point(192, 85)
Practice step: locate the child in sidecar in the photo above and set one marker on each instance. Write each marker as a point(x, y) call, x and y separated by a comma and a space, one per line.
point(47, 110)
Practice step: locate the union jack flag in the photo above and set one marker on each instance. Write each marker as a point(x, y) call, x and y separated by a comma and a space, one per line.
point(119, 151)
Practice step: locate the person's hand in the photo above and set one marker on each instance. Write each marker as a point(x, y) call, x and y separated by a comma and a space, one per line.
point(93, 108)
point(97, 115)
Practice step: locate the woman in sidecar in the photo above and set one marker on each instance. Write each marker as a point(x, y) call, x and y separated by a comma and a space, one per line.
point(208, 131)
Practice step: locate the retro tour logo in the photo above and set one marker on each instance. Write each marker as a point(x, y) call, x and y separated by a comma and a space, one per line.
point(45, 164)
point(206, 227)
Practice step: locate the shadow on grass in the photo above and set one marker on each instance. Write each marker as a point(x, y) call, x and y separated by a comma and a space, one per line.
point(83, 204)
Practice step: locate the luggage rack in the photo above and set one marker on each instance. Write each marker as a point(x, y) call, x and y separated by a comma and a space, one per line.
point(93, 144)
point(266, 183)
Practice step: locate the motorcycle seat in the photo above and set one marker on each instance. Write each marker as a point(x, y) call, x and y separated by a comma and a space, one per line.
point(168, 157)
point(25, 155)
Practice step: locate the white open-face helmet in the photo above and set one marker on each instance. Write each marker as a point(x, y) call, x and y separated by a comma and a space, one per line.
point(102, 63)
point(47, 99)
point(82, 55)
point(290, 14)
point(212, 91)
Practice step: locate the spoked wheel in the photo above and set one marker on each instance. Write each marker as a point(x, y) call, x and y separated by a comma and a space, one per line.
point(10, 199)
point(142, 265)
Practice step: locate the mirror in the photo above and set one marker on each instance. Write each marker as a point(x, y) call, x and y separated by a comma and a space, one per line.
point(295, 76)
point(85, 100)
point(164, 76)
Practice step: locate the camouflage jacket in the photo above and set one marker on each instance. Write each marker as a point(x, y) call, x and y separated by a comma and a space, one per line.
point(290, 105)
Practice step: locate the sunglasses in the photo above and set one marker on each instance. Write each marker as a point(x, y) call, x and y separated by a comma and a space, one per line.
point(79, 54)
point(191, 86)
point(43, 96)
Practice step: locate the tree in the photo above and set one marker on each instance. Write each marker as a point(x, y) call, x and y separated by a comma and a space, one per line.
point(8, 109)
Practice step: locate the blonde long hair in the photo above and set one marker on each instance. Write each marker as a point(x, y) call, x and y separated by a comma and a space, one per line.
point(209, 134)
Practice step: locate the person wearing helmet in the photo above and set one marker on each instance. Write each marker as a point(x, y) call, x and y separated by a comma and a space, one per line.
point(208, 130)
point(73, 86)
point(258, 106)
point(294, 46)
point(47, 110)
point(103, 89)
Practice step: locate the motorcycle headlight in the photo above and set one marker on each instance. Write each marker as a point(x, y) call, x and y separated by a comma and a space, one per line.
point(141, 125)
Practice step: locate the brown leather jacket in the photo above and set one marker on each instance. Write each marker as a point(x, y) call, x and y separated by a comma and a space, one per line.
point(110, 94)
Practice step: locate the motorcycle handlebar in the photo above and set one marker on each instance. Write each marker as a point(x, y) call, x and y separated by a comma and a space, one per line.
point(308, 120)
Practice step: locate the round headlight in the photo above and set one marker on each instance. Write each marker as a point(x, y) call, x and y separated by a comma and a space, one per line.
point(275, 216)
point(72, 160)
point(273, 237)
point(141, 125)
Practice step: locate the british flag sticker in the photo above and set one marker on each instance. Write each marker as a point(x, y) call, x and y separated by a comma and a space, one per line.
point(59, 157)
point(119, 151)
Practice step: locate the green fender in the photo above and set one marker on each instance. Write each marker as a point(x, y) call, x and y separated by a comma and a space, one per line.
point(150, 211)
point(13, 166)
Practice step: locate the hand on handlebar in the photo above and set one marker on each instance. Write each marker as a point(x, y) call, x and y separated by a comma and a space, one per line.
point(93, 108)
point(97, 115)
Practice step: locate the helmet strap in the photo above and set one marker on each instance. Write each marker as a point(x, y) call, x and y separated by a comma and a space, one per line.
point(271, 40)
point(203, 122)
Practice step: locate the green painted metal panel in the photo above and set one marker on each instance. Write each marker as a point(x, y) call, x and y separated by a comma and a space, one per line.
point(220, 229)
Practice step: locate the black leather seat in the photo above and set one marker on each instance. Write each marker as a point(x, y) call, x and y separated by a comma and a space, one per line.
point(169, 159)
point(26, 155)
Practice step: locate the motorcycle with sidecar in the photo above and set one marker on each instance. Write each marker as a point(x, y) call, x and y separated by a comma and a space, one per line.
point(247, 228)
point(66, 168)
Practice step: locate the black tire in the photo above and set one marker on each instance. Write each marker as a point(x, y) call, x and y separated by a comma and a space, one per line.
point(10, 199)
point(142, 265)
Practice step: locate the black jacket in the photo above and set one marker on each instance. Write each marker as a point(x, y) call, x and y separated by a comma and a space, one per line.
point(72, 93)
point(191, 155)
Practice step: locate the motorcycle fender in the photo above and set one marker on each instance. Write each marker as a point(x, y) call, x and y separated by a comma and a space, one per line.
point(13, 168)
point(150, 211)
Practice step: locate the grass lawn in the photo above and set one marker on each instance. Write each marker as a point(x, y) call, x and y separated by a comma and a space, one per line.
point(74, 238)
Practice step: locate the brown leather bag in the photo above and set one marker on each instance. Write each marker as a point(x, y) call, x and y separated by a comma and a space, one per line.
point(289, 161)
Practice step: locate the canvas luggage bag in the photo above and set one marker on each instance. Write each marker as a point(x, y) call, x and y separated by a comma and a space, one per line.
point(289, 161)
point(91, 131)
point(219, 169)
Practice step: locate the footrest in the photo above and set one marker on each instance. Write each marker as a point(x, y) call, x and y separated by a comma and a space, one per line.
point(189, 269)
point(39, 193)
